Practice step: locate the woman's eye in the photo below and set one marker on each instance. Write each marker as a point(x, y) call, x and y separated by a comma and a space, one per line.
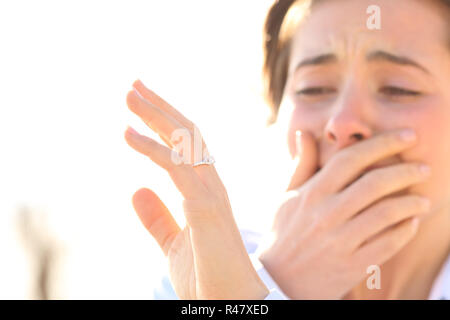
point(315, 91)
point(396, 91)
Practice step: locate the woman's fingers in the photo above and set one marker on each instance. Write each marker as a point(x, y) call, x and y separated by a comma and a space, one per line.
point(187, 131)
point(176, 130)
point(161, 155)
point(183, 175)
point(350, 162)
point(382, 247)
point(158, 120)
point(307, 159)
point(156, 218)
point(199, 206)
point(169, 123)
point(376, 184)
point(156, 100)
point(381, 216)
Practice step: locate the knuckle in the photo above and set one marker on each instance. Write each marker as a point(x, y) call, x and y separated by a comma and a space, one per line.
point(336, 204)
point(372, 182)
point(321, 224)
point(397, 208)
point(411, 170)
point(307, 199)
point(419, 202)
point(199, 211)
point(177, 166)
point(310, 195)
point(346, 158)
point(306, 196)
point(184, 165)
point(386, 210)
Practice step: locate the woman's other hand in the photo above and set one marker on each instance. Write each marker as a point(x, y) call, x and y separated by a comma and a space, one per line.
point(336, 223)
point(207, 259)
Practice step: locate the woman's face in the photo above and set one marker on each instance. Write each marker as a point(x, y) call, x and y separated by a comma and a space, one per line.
point(371, 81)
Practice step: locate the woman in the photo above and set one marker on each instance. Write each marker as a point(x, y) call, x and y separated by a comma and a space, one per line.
point(364, 110)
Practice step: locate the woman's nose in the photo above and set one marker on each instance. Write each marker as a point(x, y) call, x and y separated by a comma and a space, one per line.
point(345, 128)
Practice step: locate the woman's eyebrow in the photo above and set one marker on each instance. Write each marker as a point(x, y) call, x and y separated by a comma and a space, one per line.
point(372, 56)
point(316, 60)
point(389, 57)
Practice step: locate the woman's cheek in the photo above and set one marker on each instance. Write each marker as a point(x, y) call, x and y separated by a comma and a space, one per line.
point(432, 148)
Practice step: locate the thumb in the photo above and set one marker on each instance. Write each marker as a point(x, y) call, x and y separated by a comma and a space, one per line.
point(155, 217)
point(307, 159)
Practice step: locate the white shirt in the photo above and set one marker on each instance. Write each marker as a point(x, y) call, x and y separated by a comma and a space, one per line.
point(440, 289)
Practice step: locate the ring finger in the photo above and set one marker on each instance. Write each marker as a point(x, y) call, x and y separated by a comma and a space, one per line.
point(183, 175)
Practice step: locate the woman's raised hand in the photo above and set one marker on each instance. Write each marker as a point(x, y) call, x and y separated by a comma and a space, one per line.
point(207, 259)
point(334, 225)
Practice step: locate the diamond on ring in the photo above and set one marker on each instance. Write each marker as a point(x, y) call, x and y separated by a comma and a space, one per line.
point(206, 160)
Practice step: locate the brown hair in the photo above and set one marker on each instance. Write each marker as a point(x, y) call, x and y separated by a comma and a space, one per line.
point(278, 31)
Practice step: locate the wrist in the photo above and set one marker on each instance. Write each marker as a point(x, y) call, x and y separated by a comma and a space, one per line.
point(254, 291)
point(273, 267)
point(261, 291)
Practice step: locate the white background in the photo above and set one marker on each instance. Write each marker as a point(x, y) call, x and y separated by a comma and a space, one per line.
point(65, 70)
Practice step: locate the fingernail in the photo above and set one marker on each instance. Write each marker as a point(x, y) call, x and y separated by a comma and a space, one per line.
point(140, 84)
point(131, 131)
point(408, 135)
point(138, 93)
point(137, 82)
